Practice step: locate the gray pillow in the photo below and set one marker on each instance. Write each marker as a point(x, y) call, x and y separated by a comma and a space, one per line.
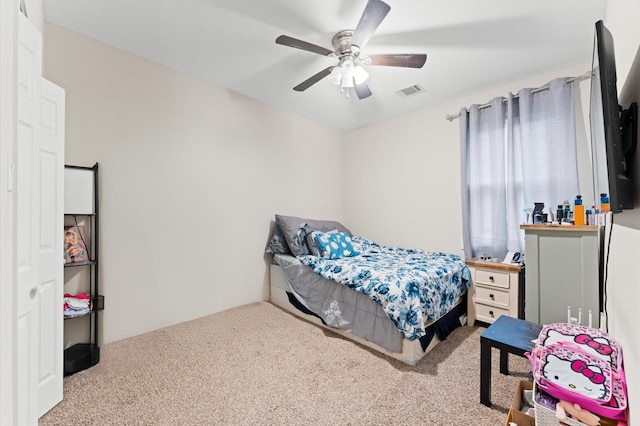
point(278, 244)
point(293, 232)
point(310, 239)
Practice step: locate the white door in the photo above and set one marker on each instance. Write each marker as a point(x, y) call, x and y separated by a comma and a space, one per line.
point(51, 276)
point(39, 176)
point(27, 201)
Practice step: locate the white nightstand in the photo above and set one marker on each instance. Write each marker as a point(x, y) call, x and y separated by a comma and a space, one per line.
point(496, 289)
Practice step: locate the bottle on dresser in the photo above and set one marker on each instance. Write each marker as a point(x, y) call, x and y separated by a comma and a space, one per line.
point(578, 211)
point(604, 203)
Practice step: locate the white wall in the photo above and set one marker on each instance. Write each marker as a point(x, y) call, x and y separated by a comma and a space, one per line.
point(191, 176)
point(623, 289)
point(402, 179)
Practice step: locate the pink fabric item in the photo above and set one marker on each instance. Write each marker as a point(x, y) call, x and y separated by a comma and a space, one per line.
point(581, 365)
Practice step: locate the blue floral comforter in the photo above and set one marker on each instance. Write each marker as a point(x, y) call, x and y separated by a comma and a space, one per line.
point(412, 286)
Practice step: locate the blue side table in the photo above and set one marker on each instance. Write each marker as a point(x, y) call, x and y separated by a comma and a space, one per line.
point(510, 335)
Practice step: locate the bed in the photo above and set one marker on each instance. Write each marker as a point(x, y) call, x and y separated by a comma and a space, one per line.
point(400, 302)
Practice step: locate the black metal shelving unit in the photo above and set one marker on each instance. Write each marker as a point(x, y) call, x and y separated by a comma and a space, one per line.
point(86, 354)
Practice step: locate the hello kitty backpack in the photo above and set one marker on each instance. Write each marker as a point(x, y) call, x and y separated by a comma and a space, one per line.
point(581, 365)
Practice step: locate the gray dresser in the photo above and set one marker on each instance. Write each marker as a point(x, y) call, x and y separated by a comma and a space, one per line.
point(563, 269)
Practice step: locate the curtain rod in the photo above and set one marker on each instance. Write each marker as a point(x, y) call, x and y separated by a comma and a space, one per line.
point(584, 76)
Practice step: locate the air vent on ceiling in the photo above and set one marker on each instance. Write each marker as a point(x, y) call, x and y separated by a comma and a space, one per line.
point(410, 91)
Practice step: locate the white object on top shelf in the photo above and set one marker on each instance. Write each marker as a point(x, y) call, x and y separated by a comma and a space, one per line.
point(78, 191)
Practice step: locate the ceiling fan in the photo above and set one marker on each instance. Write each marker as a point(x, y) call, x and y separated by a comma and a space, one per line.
point(347, 47)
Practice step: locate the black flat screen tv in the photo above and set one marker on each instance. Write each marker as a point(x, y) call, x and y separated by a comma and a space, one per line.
point(613, 129)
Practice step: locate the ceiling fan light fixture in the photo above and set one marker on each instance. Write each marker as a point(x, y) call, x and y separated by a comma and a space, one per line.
point(360, 75)
point(348, 72)
point(346, 83)
point(336, 76)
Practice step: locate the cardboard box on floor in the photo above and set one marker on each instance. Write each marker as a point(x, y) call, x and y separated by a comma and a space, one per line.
point(515, 415)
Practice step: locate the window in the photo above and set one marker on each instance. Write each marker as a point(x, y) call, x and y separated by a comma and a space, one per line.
point(515, 151)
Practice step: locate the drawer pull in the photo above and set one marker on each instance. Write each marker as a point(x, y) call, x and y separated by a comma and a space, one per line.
point(491, 296)
point(491, 313)
point(491, 278)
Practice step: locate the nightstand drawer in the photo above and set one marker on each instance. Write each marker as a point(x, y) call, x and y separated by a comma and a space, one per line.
point(492, 296)
point(492, 278)
point(488, 313)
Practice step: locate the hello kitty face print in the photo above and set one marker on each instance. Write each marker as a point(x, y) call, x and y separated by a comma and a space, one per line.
point(581, 365)
point(597, 346)
point(576, 375)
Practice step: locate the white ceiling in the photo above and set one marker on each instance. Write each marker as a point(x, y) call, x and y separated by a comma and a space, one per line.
point(471, 45)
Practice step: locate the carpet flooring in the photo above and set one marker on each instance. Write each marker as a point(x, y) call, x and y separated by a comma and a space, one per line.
point(259, 365)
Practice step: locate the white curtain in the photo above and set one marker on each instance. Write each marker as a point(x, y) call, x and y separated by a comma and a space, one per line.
point(515, 151)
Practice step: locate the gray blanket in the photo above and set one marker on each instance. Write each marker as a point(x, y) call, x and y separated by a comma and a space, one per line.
point(339, 306)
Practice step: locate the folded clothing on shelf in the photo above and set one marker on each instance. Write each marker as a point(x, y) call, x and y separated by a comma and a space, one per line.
point(75, 305)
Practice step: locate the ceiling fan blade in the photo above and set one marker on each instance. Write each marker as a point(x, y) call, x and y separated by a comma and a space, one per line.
point(303, 45)
point(362, 90)
point(397, 60)
point(313, 79)
point(373, 14)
